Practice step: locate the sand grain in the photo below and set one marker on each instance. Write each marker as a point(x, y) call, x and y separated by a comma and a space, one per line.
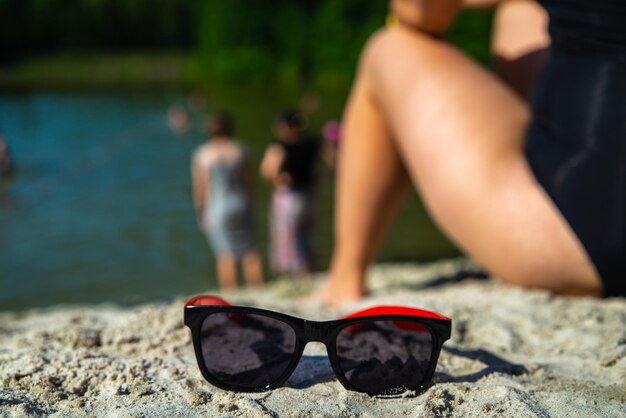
point(513, 352)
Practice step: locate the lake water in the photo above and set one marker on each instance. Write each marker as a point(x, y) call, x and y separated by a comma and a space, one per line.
point(100, 210)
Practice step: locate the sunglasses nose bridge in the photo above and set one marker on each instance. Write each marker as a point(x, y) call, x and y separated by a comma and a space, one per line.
point(316, 331)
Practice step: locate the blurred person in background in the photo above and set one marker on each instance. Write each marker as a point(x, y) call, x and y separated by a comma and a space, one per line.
point(223, 197)
point(331, 131)
point(534, 192)
point(179, 120)
point(6, 163)
point(289, 165)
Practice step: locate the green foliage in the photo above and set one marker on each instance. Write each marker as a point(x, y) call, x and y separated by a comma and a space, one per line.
point(304, 40)
point(298, 41)
point(341, 30)
point(31, 27)
point(236, 38)
point(472, 32)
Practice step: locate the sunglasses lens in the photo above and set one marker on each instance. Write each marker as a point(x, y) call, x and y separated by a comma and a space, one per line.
point(385, 357)
point(247, 351)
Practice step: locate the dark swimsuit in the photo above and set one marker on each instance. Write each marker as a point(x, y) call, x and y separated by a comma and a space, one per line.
point(299, 162)
point(576, 144)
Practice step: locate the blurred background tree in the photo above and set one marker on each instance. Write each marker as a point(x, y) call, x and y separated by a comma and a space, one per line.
point(48, 26)
point(228, 40)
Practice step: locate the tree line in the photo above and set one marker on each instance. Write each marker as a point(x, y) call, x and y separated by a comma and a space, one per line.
point(30, 27)
point(233, 39)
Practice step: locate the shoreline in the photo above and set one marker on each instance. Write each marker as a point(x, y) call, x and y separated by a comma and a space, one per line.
point(140, 71)
point(513, 351)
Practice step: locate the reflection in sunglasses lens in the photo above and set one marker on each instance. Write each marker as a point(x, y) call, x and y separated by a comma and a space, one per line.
point(384, 357)
point(246, 350)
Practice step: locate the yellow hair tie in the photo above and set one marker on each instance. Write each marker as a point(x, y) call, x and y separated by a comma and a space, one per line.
point(391, 20)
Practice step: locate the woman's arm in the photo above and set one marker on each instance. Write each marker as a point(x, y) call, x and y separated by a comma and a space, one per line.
point(489, 3)
point(272, 160)
point(434, 16)
point(483, 3)
point(429, 16)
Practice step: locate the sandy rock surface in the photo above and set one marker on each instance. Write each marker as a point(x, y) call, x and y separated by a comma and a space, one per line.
point(512, 353)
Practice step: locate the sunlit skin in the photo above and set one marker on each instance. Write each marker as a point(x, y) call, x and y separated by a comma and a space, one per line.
point(274, 155)
point(520, 44)
point(428, 16)
point(423, 114)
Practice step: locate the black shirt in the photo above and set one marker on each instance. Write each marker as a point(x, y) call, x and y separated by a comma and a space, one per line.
point(299, 162)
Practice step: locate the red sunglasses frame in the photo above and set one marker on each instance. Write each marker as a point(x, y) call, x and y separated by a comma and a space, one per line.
point(439, 326)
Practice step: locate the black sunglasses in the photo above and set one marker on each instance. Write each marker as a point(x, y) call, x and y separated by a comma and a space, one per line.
point(385, 350)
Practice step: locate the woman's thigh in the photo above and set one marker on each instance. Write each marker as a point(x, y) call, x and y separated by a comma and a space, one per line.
point(461, 134)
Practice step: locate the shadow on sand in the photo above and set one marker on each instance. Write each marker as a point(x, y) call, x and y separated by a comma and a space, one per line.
point(492, 362)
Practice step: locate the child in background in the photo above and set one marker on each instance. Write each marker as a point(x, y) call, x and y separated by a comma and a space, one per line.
point(289, 165)
point(332, 136)
point(6, 164)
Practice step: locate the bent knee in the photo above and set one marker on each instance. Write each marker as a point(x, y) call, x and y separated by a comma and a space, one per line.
point(372, 52)
point(398, 59)
point(386, 49)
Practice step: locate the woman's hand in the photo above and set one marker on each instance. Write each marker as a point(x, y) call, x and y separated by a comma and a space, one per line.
point(430, 16)
point(272, 160)
point(283, 180)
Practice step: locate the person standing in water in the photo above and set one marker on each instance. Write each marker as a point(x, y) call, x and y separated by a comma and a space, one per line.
point(6, 163)
point(222, 193)
point(289, 165)
point(330, 150)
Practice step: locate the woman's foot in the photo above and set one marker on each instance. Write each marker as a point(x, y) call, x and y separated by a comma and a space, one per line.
point(338, 291)
point(253, 269)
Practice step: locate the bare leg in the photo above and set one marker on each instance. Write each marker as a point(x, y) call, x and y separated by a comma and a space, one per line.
point(253, 268)
point(461, 134)
point(226, 271)
point(373, 182)
point(371, 186)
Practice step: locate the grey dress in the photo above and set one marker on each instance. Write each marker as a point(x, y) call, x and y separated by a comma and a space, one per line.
point(229, 215)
